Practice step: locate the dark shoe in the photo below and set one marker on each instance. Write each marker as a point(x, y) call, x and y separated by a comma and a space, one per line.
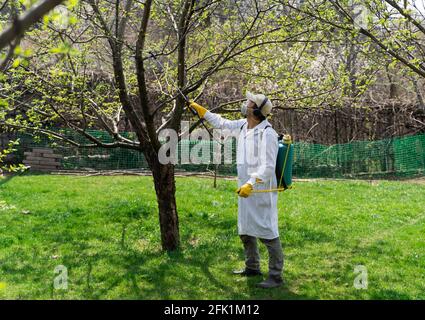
point(248, 272)
point(271, 282)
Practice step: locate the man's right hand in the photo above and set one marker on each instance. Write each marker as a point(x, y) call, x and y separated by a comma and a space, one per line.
point(198, 108)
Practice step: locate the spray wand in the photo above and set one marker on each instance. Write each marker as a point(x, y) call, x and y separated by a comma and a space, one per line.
point(161, 67)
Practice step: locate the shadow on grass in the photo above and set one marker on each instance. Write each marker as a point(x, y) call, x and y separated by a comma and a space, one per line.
point(183, 275)
point(280, 293)
point(389, 295)
point(9, 176)
point(298, 236)
point(104, 263)
point(195, 279)
point(192, 287)
point(5, 179)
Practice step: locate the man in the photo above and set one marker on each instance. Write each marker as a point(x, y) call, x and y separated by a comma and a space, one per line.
point(257, 150)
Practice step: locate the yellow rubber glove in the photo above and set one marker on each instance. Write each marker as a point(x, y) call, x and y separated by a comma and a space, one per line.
point(199, 109)
point(245, 190)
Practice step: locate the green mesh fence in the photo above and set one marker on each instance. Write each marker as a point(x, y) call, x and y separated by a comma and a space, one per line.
point(390, 158)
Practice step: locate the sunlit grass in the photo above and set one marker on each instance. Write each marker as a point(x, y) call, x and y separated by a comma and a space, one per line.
point(105, 231)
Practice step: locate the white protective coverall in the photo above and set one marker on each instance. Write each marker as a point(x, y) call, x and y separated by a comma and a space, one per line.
point(257, 150)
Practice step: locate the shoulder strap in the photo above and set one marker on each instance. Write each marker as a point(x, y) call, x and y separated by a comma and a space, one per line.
point(245, 124)
point(262, 132)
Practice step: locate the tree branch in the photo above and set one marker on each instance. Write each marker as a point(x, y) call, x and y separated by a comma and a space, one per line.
point(23, 23)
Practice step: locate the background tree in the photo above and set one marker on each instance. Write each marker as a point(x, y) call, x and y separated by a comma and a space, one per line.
point(389, 34)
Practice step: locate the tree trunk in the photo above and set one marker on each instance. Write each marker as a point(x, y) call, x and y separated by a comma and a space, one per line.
point(165, 189)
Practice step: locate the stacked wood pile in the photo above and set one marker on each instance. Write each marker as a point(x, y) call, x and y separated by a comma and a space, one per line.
point(42, 159)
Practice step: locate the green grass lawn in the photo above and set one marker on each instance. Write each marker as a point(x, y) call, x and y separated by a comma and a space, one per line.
point(105, 231)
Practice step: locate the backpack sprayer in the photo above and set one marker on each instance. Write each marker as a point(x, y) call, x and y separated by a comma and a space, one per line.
point(285, 158)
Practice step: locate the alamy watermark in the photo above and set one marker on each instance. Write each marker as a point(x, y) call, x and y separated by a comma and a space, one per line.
point(199, 147)
point(361, 281)
point(60, 282)
point(360, 13)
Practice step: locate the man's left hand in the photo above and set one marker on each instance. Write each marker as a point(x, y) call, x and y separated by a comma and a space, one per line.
point(245, 190)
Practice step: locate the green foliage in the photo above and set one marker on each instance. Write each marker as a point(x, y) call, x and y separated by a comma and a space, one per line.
point(64, 48)
point(11, 147)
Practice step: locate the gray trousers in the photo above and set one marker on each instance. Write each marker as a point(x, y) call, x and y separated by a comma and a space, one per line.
point(252, 254)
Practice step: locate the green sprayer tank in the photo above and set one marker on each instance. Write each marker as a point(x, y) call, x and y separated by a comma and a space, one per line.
point(284, 161)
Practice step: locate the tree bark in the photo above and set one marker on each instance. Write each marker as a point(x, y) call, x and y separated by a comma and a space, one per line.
point(165, 188)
